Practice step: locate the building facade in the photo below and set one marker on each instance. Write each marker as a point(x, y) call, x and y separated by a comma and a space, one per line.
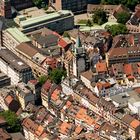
point(75, 6)
point(14, 67)
point(12, 37)
point(58, 21)
point(4, 80)
point(80, 61)
point(21, 4)
point(24, 95)
point(5, 8)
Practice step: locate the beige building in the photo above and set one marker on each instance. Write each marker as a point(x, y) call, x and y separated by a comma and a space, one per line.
point(13, 37)
point(107, 8)
point(34, 131)
point(24, 95)
point(27, 52)
point(7, 100)
point(132, 125)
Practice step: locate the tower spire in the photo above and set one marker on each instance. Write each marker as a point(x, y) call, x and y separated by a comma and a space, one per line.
point(78, 41)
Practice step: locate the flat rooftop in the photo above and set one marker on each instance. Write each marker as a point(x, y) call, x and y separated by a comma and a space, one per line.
point(12, 60)
point(18, 35)
point(32, 12)
point(43, 18)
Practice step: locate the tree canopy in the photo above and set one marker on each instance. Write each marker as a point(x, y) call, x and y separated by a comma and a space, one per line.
point(123, 17)
point(89, 23)
point(128, 3)
point(66, 34)
point(43, 79)
point(41, 3)
point(57, 74)
point(117, 29)
point(99, 17)
point(12, 120)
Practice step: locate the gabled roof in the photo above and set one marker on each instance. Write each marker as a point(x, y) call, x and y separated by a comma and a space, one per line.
point(128, 119)
point(47, 85)
point(62, 43)
point(135, 123)
point(9, 99)
point(27, 49)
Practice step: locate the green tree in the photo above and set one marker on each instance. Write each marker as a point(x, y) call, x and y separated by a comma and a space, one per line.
point(66, 34)
point(41, 3)
point(38, 2)
point(12, 120)
point(99, 17)
point(128, 3)
point(123, 17)
point(117, 29)
point(89, 23)
point(43, 79)
point(56, 75)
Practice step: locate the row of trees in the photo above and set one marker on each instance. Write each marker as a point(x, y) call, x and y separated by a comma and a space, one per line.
point(55, 75)
point(100, 17)
point(41, 3)
point(116, 29)
point(128, 3)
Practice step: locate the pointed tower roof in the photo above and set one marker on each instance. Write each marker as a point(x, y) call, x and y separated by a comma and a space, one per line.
point(78, 42)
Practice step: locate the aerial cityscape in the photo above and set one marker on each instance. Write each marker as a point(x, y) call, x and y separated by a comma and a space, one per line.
point(69, 69)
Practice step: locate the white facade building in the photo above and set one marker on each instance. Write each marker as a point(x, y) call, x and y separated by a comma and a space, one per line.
point(14, 67)
point(12, 37)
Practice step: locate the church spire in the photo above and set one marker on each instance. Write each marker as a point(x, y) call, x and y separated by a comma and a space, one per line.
point(78, 42)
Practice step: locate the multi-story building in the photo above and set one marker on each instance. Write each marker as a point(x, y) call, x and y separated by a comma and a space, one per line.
point(14, 67)
point(80, 60)
point(132, 126)
point(12, 37)
point(58, 21)
point(33, 131)
point(35, 86)
point(21, 4)
point(75, 6)
point(28, 53)
point(24, 95)
point(8, 101)
point(125, 50)
point(107, 8)
point(5, 8)
point(53, 98)
point(4, 80)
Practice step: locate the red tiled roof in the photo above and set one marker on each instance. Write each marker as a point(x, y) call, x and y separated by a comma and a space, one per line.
point(47, 85)
point(128, 69)
point(65, 127)
point(34, 82)
point(55, 94)
point(52, 62)
point(135, 123)
point(4, 135)
point(78, 129)
point(9, 99)
point(137, 90)
point(62, 43)
point(101, 67)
